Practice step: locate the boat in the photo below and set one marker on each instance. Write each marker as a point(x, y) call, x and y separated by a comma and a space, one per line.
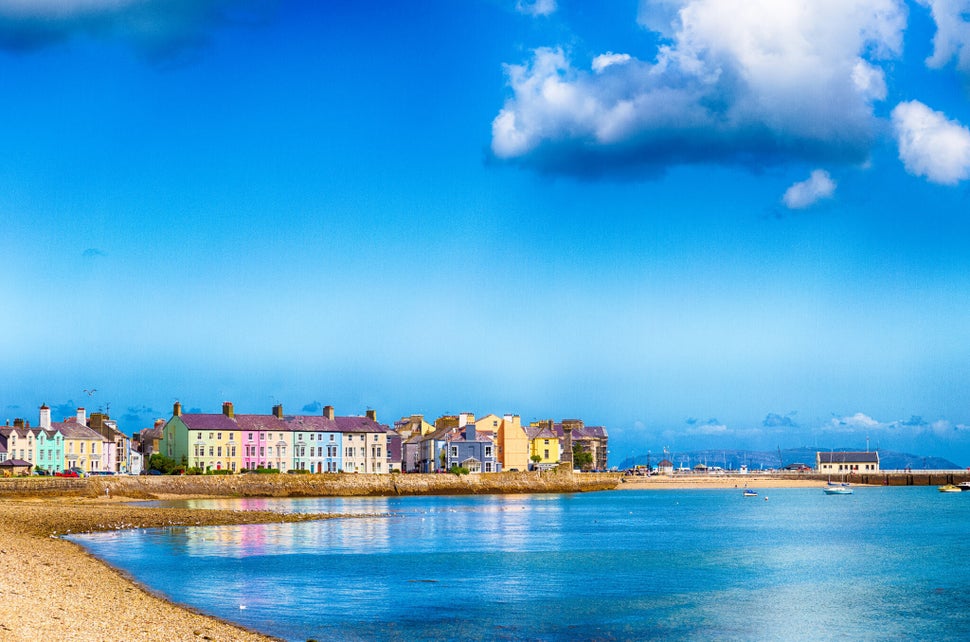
point(964, 485)
point(750, 493)
point(949, 488)
point(837, 490)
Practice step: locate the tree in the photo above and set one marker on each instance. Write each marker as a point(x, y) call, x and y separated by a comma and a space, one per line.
point(163, 464)
point(535, 460)
point(581, 459)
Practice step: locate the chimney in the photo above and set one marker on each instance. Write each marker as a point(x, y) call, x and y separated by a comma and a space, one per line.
point(18, 422)
point(161, 422)
point(82, 417)
point(471, 434)
point(227, 409)
point(372, 415)
point(328, 412)
point(177, 409)
point(45, 417)
point(278, 411)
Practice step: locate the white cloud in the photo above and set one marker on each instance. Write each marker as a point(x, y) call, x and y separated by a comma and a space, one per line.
point(952, 38)
point(603, 61)
point(738, 80)
point(707, 429)
point(858, 421)
point(536, 7)
point(817, 186)
point(930, 144)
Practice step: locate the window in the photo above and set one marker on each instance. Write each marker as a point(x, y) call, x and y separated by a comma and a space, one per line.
point(262, 451)
point(230, 435)
point(546, 454)
point(375, 437)
point(262, 436)
point(82, 450)
point(331, 437)
point(211, 454)
point(233, 454)
point(219, 451)
point(270, 437)
point(250, 436)
point(488, 451)
point(210, 435)
point(454, 451)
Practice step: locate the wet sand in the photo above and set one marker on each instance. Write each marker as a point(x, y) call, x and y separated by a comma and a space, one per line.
point(52, 589)
point(679, 482)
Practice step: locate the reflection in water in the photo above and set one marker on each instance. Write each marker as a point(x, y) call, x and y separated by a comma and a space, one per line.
point(621, 565)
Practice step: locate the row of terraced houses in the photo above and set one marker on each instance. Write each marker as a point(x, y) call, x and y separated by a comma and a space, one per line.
point(324, 443)
point(328, 443)
point(86, 444)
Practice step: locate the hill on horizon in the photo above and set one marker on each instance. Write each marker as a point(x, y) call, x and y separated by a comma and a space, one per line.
point(763, 459)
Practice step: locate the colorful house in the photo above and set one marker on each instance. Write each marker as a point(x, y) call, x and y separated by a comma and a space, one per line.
point(204, 441)
point(544, 449)
point(365, 444)
point(512, 443)
point(467, 450)
point(285, 442)
point(318, 442)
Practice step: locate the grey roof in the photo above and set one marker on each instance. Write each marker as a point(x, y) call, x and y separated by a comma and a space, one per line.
point(848, 456)
point(10, 463)
point(289, 423)
point(74, 430)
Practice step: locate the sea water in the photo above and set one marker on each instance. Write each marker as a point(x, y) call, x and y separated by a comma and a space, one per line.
point(880, 564)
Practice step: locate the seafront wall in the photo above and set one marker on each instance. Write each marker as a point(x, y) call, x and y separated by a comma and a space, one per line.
point(332, 485)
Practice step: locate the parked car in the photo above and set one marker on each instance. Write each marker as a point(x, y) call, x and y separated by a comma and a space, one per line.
point(40, 472)
point(66, 473)
point(154, 472)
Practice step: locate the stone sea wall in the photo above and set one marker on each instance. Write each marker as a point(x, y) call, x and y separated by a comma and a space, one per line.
point(327, 485)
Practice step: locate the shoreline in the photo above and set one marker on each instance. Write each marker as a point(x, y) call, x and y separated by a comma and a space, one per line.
point(54, 589)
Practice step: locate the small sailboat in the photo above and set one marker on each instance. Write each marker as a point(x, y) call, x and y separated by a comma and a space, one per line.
point(837, 490)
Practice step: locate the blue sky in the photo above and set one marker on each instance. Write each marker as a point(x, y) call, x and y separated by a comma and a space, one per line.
point(700, 223)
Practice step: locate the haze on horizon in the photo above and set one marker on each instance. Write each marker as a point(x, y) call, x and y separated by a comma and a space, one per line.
point(699, 223)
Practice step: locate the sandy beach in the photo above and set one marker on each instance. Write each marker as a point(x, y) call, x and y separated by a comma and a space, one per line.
point(51, 589)
point(679, 482)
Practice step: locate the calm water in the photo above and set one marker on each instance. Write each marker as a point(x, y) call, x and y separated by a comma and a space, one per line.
point(884, 563)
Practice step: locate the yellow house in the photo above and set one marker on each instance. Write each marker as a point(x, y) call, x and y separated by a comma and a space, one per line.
point(544, 445)
point(83, 447)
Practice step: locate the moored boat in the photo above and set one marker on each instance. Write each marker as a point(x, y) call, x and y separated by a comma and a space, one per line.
point(949, 488)
point(964, 485)
point(750, 493)
point(837, 490)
